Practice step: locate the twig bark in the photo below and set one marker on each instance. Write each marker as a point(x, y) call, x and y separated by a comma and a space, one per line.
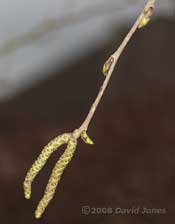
point(114, 59)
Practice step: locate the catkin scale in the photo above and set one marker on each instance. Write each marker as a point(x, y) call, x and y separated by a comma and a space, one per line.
point(86, 138)
point(56, 176)
point(107, 65)
point(41, 160)
point(146, 17)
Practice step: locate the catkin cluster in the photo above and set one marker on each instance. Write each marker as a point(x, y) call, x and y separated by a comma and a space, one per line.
point(56, 172)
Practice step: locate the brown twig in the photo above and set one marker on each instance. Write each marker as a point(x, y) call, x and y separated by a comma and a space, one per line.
point(114, 59)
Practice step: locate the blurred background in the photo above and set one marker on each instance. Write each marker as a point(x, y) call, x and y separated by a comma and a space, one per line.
point(51, 55)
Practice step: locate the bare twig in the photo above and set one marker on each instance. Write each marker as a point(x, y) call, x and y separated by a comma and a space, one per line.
point(114, 59)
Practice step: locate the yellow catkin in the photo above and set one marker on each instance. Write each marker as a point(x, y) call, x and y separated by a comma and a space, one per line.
point(41, 160)
point(56, 176)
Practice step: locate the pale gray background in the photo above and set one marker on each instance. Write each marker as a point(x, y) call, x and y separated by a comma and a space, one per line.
point(36, 34)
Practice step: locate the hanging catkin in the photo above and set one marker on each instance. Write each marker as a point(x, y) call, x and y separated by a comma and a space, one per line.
point(41, 160)
point(56, 176)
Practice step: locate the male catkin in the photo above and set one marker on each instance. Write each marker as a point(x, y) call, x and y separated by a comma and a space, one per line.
point(56, 176)
point(41, 160)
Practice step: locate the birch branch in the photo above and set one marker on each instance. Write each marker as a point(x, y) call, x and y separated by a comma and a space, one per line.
point(111, 63)
point(71, 138)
